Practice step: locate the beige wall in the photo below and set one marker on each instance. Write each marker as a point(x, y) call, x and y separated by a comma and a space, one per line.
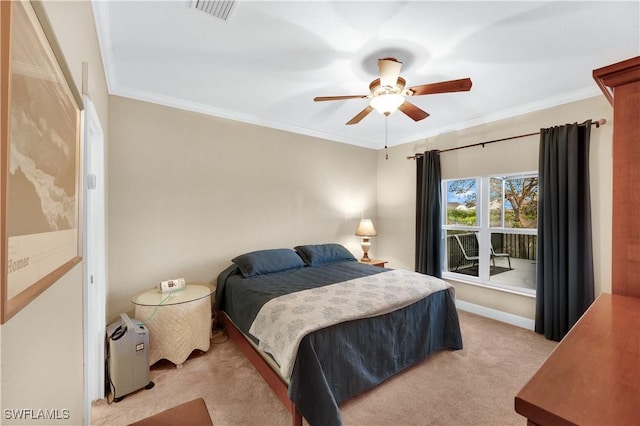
point(396, 188)
point(247, 183)
point(41, 351)
point(188, 192)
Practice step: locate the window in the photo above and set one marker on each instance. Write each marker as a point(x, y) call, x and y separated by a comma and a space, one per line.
point(490, 229)
point(461, 202)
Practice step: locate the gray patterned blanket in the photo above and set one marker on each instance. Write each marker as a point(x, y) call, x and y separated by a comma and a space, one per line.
point(282, 322)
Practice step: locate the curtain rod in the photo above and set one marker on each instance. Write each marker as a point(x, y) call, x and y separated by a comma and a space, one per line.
point(597, 123)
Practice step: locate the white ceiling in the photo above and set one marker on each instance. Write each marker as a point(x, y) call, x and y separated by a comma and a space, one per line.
point(267, 62)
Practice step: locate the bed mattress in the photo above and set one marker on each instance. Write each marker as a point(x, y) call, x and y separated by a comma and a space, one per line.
point(345, 359)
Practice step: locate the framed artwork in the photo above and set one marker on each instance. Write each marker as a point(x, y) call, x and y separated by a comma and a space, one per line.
point(41, 152)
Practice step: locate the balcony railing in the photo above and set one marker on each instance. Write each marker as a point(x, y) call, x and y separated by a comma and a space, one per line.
point(516, 245)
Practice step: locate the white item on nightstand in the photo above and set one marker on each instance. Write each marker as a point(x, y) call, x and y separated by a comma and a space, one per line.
point(172, 285)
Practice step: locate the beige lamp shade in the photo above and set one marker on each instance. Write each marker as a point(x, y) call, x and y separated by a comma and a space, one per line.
point(366, 229)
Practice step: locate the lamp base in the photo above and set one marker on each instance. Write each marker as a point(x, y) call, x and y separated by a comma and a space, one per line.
point(366, 244)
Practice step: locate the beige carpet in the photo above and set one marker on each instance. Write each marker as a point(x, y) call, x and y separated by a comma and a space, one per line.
point(473, 386)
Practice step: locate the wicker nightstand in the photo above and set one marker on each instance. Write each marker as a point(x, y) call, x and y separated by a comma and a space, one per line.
point(179, 322)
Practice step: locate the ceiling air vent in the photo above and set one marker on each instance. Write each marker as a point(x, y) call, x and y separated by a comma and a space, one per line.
point(218, 8)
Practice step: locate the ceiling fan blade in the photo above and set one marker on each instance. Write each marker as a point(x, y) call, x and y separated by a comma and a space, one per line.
point(389, 71)
point(362, 114)
point(461, 85)
point(339, 98)
point(413, 111)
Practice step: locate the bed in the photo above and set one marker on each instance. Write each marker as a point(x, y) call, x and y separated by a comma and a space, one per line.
point(322, 327)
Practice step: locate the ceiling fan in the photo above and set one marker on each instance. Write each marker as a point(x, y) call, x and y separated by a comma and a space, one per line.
point(388, 92)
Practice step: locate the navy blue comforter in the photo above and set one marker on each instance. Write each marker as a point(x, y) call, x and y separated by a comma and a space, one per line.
point(338, 362)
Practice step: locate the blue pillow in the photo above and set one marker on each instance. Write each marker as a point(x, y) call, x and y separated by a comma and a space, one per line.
point(319, 254)
point(267, 262)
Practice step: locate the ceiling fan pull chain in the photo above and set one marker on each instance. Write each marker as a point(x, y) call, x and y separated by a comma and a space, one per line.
point(386, 152)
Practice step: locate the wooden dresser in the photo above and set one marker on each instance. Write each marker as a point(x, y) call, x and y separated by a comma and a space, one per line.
point(593, 375)
point(620, 83)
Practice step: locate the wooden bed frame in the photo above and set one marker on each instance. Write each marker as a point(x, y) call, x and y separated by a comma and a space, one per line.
point(277, 384)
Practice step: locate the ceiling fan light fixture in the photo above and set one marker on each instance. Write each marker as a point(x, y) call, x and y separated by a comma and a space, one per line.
point(387, 103)
point(389, 91)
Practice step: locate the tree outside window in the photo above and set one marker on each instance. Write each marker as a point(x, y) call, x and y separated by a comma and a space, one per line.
point(513, 202)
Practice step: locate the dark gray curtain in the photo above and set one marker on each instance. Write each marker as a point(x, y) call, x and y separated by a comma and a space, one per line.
point(565, 255)
point(428, 256)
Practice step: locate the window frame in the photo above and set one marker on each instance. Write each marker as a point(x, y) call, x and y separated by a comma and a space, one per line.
point(483, 230)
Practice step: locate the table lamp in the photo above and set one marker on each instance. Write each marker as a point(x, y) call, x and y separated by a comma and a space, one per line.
point(366, 231)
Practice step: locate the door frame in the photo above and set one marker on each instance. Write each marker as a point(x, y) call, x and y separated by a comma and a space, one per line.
point(94, 254)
